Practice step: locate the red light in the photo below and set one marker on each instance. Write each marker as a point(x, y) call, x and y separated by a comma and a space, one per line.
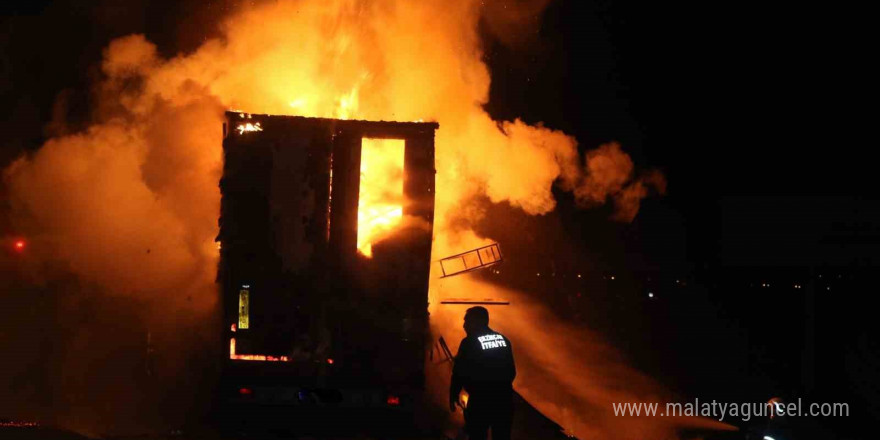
point(330, 361)
point(19, 245)
point(393, 400)
point(246, 391)
point(8, 424)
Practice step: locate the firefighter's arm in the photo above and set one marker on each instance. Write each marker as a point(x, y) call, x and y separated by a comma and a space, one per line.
point(458, 373)
point(512, 365)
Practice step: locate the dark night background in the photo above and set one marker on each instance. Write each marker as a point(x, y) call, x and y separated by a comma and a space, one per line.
point(752, 111)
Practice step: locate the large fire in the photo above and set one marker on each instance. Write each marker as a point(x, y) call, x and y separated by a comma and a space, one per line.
point(380, 202)
point(131, 203)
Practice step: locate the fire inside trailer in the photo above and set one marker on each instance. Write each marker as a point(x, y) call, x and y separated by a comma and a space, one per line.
point(325, 246)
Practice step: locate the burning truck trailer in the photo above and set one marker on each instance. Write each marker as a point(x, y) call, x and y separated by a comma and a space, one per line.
point(325, 246)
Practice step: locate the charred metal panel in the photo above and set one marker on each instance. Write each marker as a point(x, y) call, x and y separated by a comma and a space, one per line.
point(419, 191)
point(299, 199)
point(344, 210)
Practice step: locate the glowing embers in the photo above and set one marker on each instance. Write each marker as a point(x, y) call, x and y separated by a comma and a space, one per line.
point(248, 127)
point(16, 424)
point(253, 357)
point(380, 200)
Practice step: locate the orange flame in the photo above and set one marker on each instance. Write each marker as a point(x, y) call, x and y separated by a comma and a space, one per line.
point(380, 202)
point(248, 128)
point(253, 357)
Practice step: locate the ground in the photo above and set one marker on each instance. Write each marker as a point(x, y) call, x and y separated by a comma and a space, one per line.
point(528, 424)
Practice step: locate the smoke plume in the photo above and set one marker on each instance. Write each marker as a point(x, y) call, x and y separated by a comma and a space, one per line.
point(130, 205)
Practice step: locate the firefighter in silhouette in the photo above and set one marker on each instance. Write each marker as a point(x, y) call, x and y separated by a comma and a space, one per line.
point(484, 368)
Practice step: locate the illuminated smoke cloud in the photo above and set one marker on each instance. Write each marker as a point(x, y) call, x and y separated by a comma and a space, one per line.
point(131, 204)
point(609, 174)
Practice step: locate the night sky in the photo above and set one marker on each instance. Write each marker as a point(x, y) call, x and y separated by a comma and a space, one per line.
point(740, 105)
point(731, 102)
